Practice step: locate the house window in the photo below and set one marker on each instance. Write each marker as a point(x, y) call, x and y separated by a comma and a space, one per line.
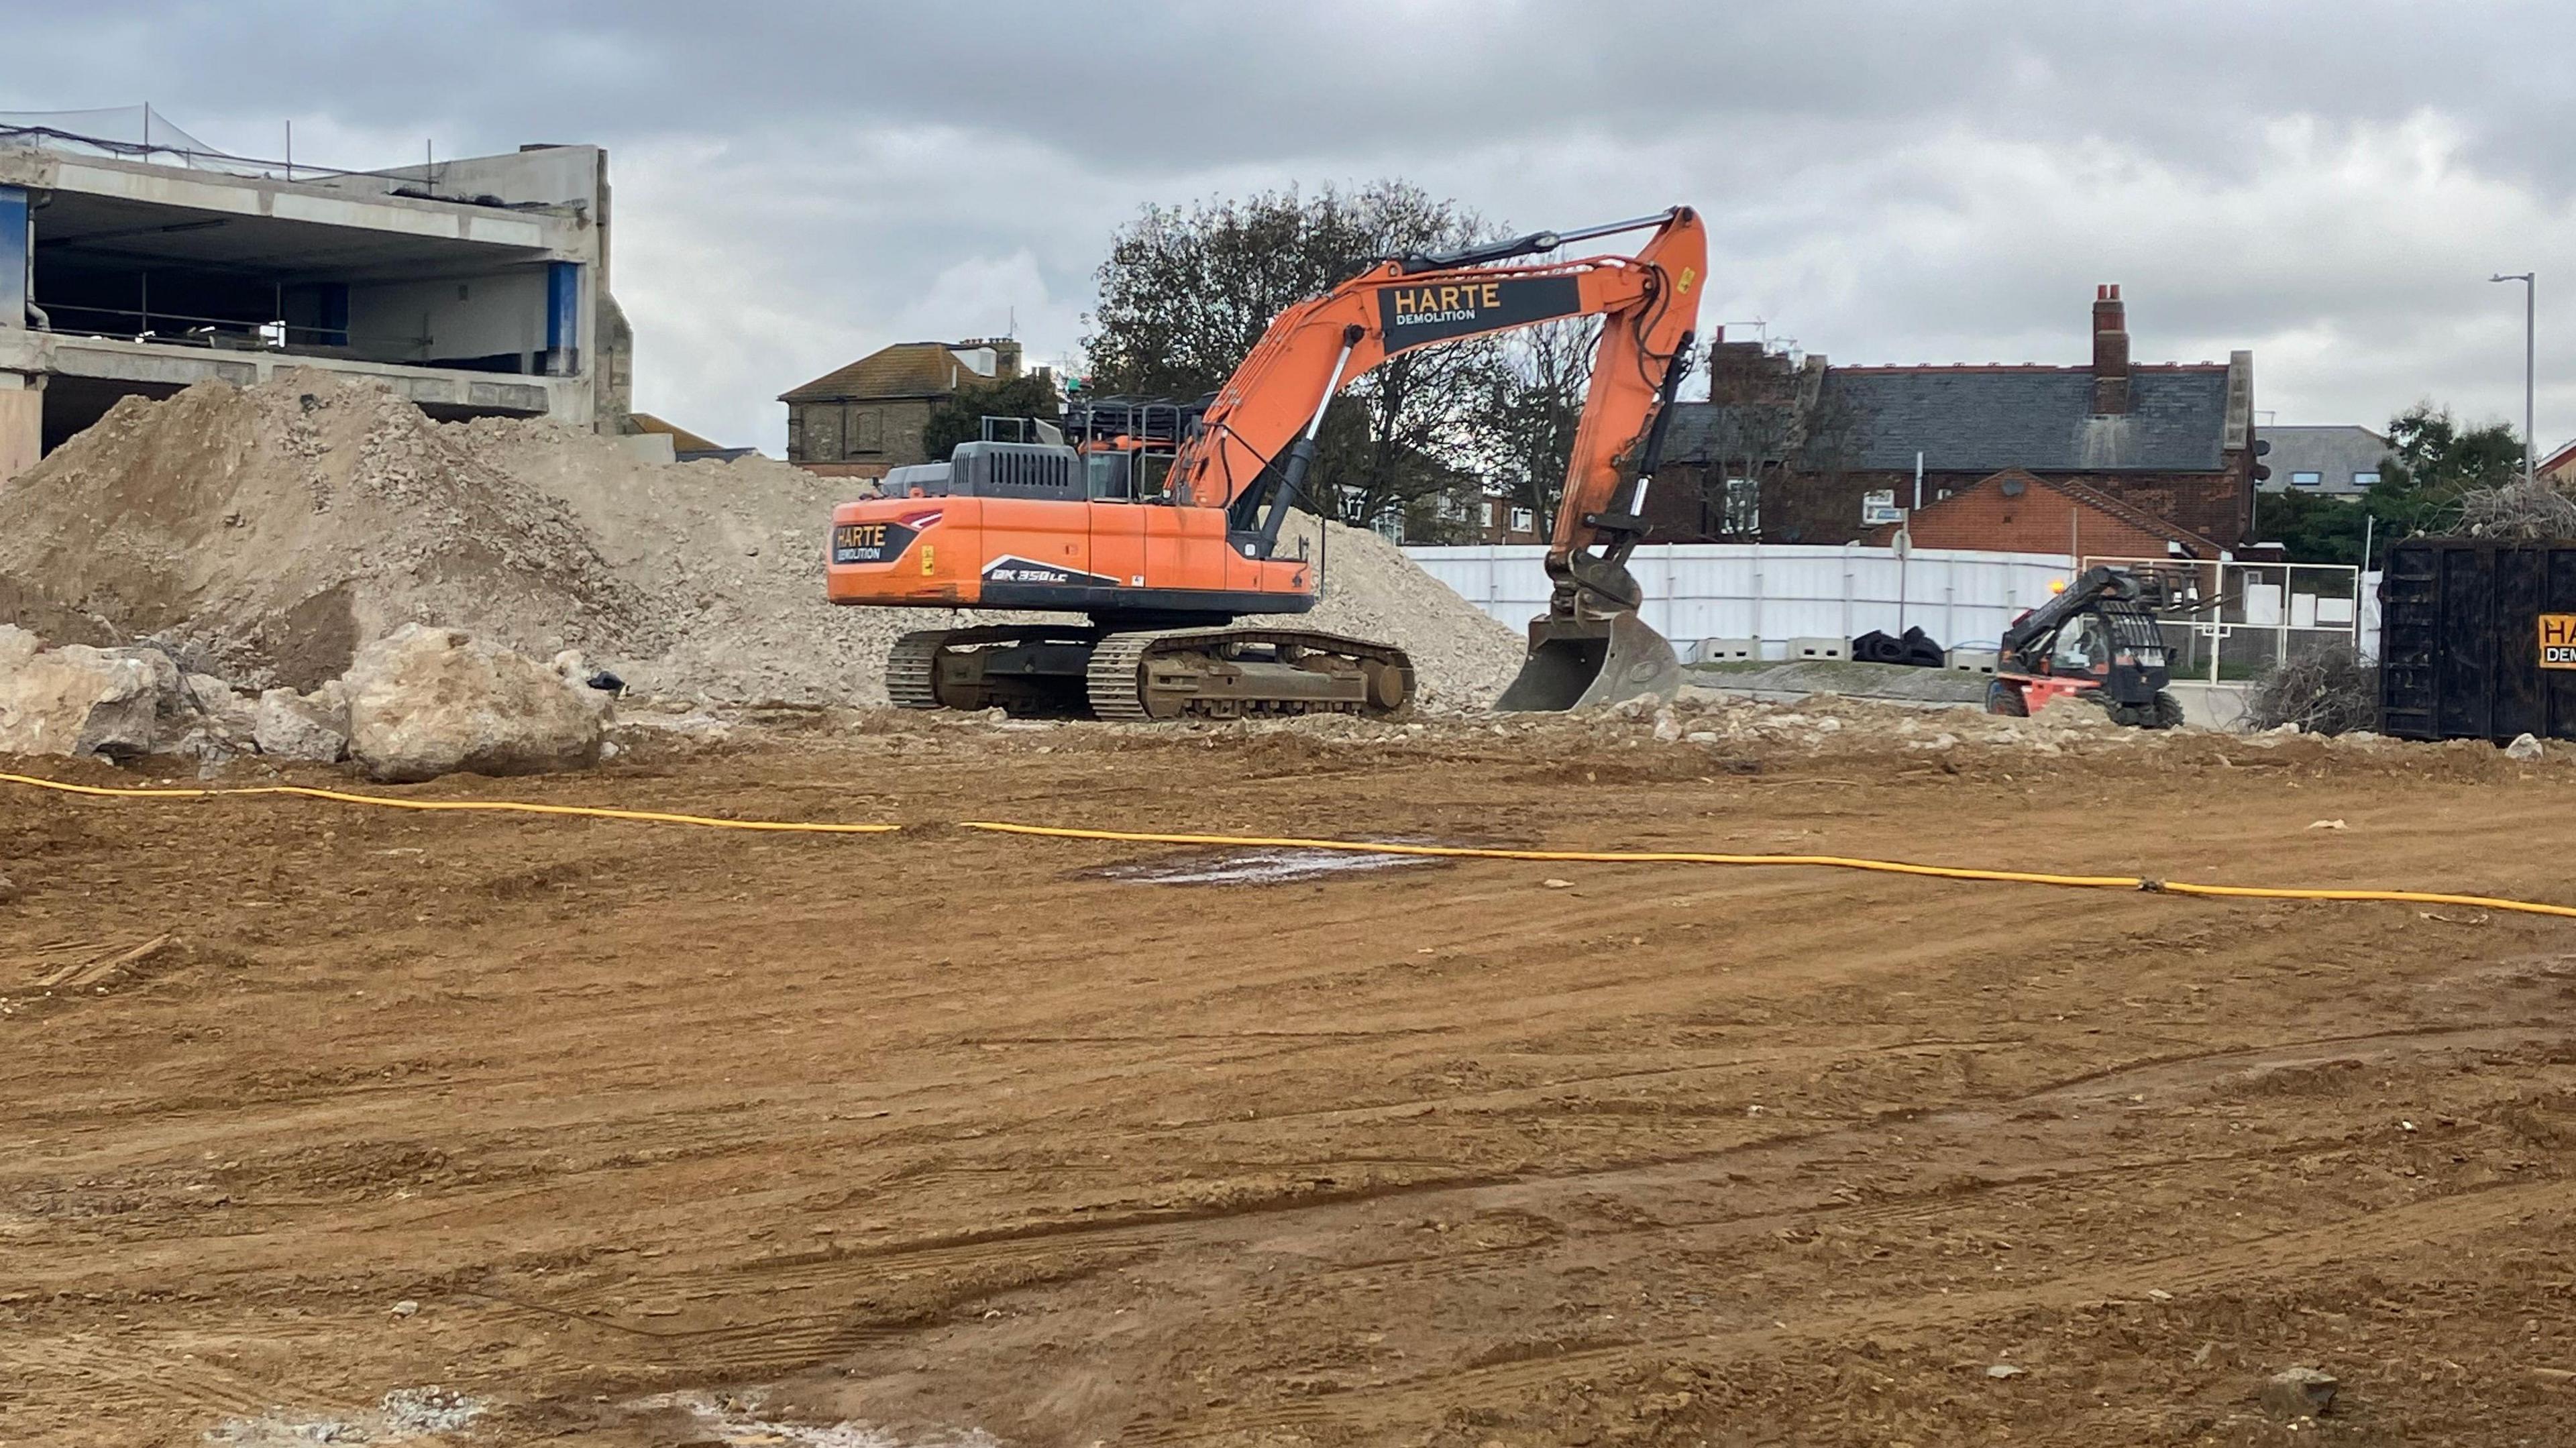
point(1743, 506)
point(1522, 518)
point(2365, 480)
point(823, 433)
point(2306, 480)
point(1489, 514)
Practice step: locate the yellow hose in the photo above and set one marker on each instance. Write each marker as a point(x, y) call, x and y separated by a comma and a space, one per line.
point(1359, 847)
point(1836, 862)
point(484, 805)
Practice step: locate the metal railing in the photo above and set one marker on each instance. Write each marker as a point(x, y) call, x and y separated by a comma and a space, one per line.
point(180, 329)
point(2228, 621)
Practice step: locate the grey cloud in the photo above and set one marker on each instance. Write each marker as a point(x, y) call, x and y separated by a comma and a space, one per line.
point(2328, 183)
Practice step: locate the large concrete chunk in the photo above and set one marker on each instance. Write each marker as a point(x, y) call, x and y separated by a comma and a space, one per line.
point(311, 727)
point(17, 646)
point(75, 700)
point(2299, 1392)
point(174, 710)
point(226, 713)
point(430, 701)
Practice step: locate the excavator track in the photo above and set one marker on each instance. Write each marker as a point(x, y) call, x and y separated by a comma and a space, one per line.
point(911, 676)
point(1143, 675)
point(994, 664)
point(1229, 673)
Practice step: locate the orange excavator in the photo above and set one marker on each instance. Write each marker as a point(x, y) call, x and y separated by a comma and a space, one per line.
point(1161, 576)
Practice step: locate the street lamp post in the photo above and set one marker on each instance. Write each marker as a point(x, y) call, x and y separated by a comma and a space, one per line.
point(2530, 316)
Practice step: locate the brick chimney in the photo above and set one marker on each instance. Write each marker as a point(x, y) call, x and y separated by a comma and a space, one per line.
point(2110, 352)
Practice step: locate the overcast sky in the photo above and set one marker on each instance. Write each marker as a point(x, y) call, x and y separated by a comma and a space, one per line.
point(2329, 184)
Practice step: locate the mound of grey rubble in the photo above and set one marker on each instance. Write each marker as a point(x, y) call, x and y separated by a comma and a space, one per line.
point(416, 704)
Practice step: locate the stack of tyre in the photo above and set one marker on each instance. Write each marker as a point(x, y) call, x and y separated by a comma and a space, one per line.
point(1913, 648)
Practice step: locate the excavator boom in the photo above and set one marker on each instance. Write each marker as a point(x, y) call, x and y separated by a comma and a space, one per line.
point(1162, 579)
point(1591, 647)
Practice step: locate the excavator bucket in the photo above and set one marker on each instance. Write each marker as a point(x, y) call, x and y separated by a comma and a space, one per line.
point(1579, 662)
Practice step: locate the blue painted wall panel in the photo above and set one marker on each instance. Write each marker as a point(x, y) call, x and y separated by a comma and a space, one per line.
point(13, 257)
point(563, 317)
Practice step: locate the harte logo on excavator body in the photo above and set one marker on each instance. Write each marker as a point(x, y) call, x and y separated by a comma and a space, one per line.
point(1413, 313)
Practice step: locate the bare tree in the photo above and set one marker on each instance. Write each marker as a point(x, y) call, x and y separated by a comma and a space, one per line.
point(1186, 293)
point(1534, 407)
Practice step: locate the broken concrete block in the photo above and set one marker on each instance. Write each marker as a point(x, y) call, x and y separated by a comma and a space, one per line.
point(2299, 1392)
point(17, 646)
point(223, 712)
point(428, 701)
point(173, 712)
point(2523, 747)
point(311, 727)
point(75, 700)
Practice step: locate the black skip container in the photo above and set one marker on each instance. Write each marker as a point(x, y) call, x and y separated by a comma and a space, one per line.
point(2477, 640)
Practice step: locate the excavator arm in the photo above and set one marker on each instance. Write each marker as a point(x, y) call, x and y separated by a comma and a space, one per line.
point(1257, 442)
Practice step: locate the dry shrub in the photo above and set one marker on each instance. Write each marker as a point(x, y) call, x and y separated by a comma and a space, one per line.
point(2331, 691)
point(2518, 512)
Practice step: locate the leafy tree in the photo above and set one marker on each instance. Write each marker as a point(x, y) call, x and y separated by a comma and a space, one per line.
point(961, 417)
point(2431, 457)
point(2316, 528)
point(1187, 292)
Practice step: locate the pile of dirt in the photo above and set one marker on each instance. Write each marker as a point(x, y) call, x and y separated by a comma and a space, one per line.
point(728, 557)
point(264, 534)
point(1462, 657)
point(731, 550)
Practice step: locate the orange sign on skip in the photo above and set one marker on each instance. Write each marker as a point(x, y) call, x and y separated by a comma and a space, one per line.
point(2558, 640)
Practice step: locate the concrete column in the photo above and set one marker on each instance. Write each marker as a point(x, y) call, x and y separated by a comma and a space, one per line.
point(22, 423)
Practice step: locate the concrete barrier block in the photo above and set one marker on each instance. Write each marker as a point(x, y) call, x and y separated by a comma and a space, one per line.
point(1972, 661)
point(1820, 648)
point(1721, 651)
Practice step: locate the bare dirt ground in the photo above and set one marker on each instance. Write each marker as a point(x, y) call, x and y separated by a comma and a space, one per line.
point(637, 1135)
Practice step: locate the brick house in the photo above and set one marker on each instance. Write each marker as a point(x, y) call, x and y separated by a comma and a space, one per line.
point(2015, 511)
point(1499, 519)
point(868, 417)
point(1791, 450)
point(2559, 468)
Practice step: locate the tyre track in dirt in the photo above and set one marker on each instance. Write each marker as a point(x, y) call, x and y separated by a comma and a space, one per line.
point(1094, 1153)
point(1434, 1398)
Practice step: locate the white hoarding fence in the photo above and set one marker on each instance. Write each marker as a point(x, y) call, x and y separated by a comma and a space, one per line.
point(1772, 594)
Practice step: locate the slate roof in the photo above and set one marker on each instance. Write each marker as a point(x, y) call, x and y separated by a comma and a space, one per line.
point(906, 369)
point(2334, 454)
point(682, 440)
point(1698, 428)
point(1984, 419)
point(1969, 419)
